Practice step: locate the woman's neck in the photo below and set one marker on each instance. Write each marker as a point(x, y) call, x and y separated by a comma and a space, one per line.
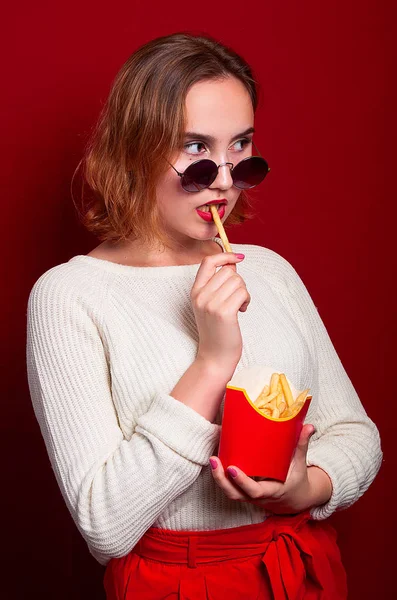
point(134, 254)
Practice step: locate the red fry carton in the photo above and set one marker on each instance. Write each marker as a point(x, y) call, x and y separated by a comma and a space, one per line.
point(259, 445)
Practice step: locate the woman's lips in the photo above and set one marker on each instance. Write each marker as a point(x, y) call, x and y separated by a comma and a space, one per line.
point(207, 216)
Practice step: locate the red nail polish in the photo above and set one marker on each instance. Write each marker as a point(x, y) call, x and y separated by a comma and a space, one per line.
point(240, 255)
point(232, 471)
point(213, 463)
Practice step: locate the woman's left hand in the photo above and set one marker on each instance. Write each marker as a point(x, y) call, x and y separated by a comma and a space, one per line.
point(304, 487)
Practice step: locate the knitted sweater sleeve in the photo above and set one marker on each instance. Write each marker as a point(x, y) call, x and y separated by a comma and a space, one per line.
point(114, 487)
point(346, 442)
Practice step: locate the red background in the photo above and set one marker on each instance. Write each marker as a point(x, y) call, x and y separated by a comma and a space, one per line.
point(326, 125)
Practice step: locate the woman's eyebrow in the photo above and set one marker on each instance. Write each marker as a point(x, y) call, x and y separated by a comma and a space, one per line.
point(209, 139)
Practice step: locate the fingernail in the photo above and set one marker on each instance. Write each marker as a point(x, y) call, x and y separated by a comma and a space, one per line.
point(240, 255)
point(232, 472)
point(213, 463)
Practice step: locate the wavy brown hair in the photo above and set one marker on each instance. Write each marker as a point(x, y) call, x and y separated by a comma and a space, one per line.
point(141, 124)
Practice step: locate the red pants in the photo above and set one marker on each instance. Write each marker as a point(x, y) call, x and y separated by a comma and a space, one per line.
point(283, 558)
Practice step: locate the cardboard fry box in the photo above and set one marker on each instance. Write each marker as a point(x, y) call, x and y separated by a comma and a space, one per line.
point(259, 445)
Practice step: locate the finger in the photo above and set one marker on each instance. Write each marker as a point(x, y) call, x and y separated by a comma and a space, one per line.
point(225, 274)
point(223, 481)
point(216, 282)
point(303, 443)
point(223, 293)
point(254, 489)
point(209, 265)
point(235, 301)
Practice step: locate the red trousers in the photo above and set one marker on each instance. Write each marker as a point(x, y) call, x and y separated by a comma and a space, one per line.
point(283, 558)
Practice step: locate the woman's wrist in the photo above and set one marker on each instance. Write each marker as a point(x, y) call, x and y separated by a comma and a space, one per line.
point(320, 486)
point(202, 388)
point(214, 370)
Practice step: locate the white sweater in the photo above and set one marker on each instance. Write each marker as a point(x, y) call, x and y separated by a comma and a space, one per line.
point(108, 342)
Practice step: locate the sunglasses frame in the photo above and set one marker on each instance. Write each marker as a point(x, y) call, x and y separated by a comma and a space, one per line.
point(222, 165)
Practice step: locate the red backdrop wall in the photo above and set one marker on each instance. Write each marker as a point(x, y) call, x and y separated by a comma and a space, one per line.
point(325, 123)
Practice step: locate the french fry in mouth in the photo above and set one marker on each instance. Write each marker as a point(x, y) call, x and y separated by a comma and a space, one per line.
point(221, 230)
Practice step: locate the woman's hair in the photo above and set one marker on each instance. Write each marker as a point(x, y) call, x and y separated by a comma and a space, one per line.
point(141, 125)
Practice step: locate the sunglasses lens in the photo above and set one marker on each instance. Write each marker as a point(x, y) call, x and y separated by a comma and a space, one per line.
point(249, 172)
point(199, 175)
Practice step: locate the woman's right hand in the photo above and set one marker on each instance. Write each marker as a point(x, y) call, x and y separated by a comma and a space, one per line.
point(217, 297)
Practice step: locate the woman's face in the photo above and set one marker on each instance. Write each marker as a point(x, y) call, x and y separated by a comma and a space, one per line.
point(220, 116)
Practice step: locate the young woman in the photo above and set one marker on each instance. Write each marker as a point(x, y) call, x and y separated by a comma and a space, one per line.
point(131, 346)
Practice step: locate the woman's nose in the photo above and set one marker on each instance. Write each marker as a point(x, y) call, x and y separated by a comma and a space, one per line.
point(223, 180)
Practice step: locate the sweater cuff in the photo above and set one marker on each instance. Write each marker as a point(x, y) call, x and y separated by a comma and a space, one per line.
point(180, 428)
point(335, 463)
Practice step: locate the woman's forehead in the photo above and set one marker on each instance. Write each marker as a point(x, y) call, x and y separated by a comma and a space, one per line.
point(219, 108)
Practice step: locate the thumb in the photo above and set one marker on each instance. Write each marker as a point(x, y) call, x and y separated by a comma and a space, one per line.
point(303, 443)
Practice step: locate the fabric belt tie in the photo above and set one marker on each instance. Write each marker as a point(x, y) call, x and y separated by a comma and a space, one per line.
point(290, 560)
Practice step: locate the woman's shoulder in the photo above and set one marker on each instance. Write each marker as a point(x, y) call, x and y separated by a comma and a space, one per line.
point(74, 279)
point(267, 262)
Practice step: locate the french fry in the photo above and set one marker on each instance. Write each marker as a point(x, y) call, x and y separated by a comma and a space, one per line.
point(220, 228)
point(302, 396)
point(264, 393)
point(280, 399)
point(282, 406)
point(261, 401)
point(295, 407)
point(275, 413)
point(267, 412)
point(287, 413)
point(274, 383)
point(286, 389)
point(270, 405)
point(264, 401)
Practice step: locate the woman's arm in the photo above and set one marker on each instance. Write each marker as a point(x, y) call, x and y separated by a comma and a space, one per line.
point(346, 442)
point(114, 488)
point(343, 456)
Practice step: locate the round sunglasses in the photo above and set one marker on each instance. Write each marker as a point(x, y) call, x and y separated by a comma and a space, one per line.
point(248, 173)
